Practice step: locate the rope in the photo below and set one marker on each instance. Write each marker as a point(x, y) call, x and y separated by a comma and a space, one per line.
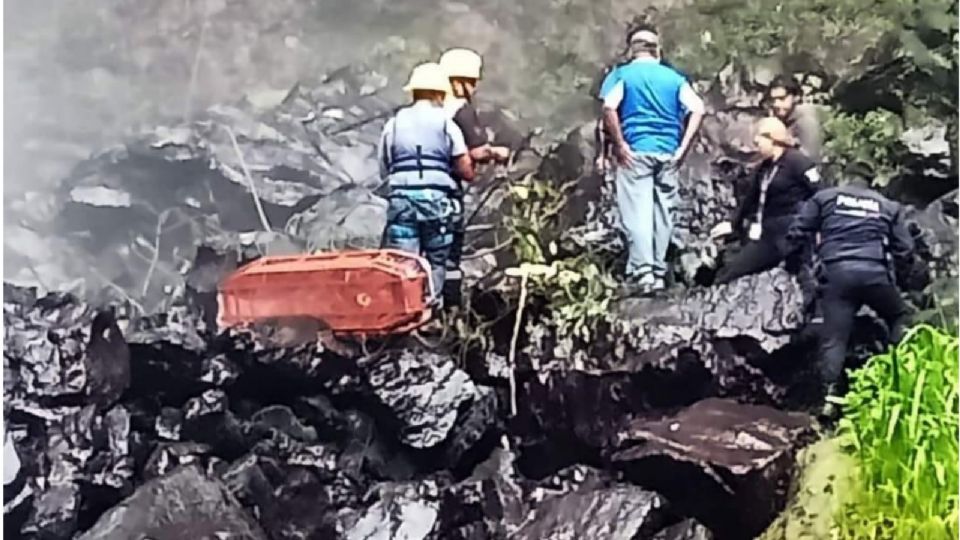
point(246, 172)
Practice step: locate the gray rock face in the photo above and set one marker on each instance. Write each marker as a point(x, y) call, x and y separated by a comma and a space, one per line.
point(182, 186)
point(725, 463)
point(616, 513)
point(426, 393)
point(64, 350)
point(403, 512)
point(183, 504)
point(688, 529)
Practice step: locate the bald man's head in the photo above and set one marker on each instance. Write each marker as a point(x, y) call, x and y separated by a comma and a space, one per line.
point(772, 136)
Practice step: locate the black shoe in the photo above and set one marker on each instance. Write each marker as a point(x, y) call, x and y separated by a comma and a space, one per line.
point(830, 411)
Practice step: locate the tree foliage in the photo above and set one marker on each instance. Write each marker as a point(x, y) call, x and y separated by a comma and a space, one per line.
point(881, 59)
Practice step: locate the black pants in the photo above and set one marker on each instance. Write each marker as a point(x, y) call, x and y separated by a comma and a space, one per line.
point(755, 257)
point(847, 287)
point(761, 255)
point(453, 285)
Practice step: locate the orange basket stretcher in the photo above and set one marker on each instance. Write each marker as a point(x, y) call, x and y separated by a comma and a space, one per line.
point(365, 292)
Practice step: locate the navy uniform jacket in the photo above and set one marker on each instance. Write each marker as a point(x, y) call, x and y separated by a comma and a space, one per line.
point(856, 224)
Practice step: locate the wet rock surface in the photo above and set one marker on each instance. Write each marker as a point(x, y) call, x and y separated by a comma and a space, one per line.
point(145, 420)
point(725, 463)
point(183, 504)
point(298, 441)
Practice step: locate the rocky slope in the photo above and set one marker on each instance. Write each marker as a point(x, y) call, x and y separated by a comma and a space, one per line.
point(141, 419)
point(134, 417)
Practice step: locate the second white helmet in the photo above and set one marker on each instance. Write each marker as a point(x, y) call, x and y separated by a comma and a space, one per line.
point(460, 62)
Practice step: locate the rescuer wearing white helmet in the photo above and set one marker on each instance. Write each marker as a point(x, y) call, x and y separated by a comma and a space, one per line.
point(464, 68)
point(420, 150)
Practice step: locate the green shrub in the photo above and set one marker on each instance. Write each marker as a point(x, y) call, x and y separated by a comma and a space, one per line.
point(901, 423)
point(873, 138)
point(581, 291)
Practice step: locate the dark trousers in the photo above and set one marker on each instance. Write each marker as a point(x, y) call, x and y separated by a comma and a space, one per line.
point(847, 287)
point(453, 285)
point(755, 257)
point(761, 255)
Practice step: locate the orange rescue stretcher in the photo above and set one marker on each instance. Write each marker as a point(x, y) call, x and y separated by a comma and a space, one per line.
point(366, 292)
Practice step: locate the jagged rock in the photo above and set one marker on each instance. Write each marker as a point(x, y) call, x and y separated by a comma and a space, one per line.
point(300, 508)
point(404, 511)
point(80, 463)
point(367, 448)
point(168, 456)
point(687, 529)
point(55, 513)
point(477, 424)
point(319, 413)
point(169, 349)
point(183, 504)
point(490, 503)
point(282, 419)
point(569, 479)
point(207, 419)
point(724, 463)
point(289, 502)
point(61, 350)
point(247, 482)
point(668, 352)
point(168, 424)
point(349, 217)
point(426, 394)
point(611, 513)
point(182, 186)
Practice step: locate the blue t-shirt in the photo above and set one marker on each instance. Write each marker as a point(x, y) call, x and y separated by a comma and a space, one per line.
point(651, 114)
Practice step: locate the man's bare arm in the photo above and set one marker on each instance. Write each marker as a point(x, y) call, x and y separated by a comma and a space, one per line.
point(693, 126)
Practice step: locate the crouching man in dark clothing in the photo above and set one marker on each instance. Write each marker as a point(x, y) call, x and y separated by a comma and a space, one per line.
point(864, 246)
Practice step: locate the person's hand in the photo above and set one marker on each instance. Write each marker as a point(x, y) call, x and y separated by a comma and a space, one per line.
point(500, 153)
point(724, 228)
point(624, 154)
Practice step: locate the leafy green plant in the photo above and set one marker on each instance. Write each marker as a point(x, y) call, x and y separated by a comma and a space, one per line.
point(901, 423)
point(873, 138)
point(580, 292)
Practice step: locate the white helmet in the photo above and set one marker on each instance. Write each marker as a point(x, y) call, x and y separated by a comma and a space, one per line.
point(461, 62)
point(428, 76)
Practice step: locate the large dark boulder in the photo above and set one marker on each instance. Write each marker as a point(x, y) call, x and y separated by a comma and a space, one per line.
point(618, 512)
point(725, 463)
point(431, 400)
point(183, 504)
point(738, 340)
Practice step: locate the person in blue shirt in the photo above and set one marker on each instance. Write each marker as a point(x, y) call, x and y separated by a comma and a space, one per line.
point(645, 108)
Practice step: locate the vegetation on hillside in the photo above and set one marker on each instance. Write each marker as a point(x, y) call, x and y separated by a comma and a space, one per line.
point(889, 64)
point(901, 423)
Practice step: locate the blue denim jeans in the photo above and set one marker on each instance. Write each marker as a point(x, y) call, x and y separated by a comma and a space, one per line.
point(646, 197)
point(421, 222)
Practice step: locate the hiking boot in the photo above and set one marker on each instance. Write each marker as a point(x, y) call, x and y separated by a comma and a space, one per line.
point(830, 411)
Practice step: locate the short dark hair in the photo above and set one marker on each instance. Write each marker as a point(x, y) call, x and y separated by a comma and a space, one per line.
point(788, 83)
point(859, 169)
